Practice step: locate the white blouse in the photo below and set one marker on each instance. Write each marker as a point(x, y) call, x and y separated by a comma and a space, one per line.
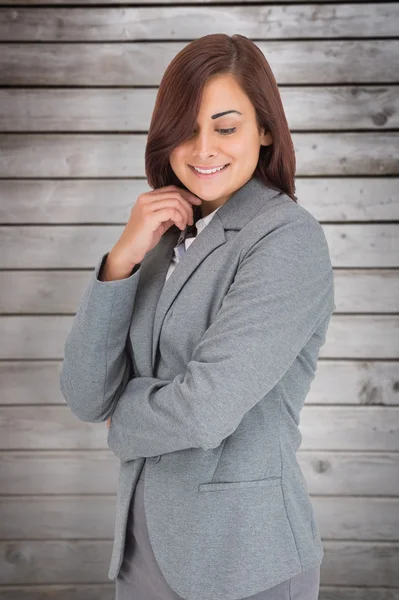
point(184, 242)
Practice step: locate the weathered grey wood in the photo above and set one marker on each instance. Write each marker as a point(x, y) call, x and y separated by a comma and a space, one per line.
point(358, 291)
point(122, 155)
point(350, 473)
point(177, 23)
point(349, 428)
point(360, 563)
point(61, 561)
point(101, 591)
point(55, 224)
point(322, 427)
point(349, 198)
point(46, 292)
point(145, 2)
point(362, 337)
point(66, 247)
point(111, 200)
point(353, 382)
point(38, 244)
point(348, 593)
point(142, 63)
point(61, 517)
point(107, 592)
point(327, 108)
point(379, 243)
point(341, 518)
point(96, 472)
point(82, 472)
point(80, 561)
point(92, 517)
point(370, 337)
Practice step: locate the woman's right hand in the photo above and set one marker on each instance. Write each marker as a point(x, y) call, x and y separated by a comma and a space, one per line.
point(153, 213)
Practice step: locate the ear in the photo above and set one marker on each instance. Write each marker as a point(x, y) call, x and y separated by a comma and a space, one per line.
point(265, 138)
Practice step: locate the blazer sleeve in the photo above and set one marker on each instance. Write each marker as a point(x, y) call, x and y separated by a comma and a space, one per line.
point(96, 365)
point(282, 290)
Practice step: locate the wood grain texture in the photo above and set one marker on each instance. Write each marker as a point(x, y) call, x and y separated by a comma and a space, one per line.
point(42, 337)
point(357, 291)
point(330, 108)
point(345, 563)
point(78, 83)
point(323, 428)
point(92, 517)
point(192, 22)
point(71, 247)
point(122, 155)
point(345, 473)
point(106, 591)
point(58, 3)
point(109, 201)
point(354, 382)
point(141, 63)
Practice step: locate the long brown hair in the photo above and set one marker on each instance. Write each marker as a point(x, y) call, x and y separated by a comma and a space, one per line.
point(179, 98)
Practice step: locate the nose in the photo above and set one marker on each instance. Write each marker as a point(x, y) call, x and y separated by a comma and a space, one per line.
point(204, 146)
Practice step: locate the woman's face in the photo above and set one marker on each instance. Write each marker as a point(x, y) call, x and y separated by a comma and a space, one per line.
point(231, 139)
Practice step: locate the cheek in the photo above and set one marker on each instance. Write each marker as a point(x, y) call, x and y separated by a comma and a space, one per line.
point(239, 145)
point(178, 157)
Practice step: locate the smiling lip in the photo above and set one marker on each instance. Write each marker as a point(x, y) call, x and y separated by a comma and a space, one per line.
point(201, 167)
point(213, 175)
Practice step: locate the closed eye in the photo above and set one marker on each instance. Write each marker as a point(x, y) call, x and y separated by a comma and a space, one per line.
point(227, 131)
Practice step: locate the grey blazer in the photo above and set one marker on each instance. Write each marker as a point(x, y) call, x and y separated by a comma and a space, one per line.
point(205, 376)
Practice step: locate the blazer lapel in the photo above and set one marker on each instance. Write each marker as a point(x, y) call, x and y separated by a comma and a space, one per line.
point(154, 295)
point(211, 237)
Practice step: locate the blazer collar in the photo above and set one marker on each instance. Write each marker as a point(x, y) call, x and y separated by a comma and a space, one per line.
point(154, 295)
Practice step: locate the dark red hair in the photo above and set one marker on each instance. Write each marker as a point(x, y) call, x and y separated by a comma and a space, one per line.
point(179, 98)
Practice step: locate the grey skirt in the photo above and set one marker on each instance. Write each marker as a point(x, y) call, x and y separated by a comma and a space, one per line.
point(140, 577)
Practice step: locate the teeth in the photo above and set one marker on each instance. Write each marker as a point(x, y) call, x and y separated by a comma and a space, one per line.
point(208, 171)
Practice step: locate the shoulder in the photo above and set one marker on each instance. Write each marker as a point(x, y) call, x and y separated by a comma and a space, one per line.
point(286, 226)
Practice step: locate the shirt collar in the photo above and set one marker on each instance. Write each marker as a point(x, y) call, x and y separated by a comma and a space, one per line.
point(199, 224)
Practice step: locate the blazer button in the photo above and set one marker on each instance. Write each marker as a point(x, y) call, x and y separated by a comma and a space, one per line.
point(155, 458)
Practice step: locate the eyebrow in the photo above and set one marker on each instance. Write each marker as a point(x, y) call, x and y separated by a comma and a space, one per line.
point(226, 112)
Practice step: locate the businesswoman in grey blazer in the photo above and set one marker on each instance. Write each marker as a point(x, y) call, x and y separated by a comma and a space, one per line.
point(197, 340)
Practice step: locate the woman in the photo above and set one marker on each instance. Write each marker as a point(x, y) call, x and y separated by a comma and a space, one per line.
point(199, 347)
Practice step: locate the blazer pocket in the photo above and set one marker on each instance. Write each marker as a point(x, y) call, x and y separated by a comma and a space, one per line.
point(270, 482)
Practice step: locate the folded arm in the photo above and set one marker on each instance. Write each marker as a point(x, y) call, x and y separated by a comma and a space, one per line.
point(282, 290)
point(96, 365)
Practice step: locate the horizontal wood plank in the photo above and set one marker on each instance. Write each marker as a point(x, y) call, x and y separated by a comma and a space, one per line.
point(96, 472)
point(122, 155)
point(144, 2)
point(101, 591)
point(333, 428)
point(360, 563)
point(329, 108)
point(82, 472)
point(361, 519)
point(61, 201)
point(68, 247)
point(192, 22)
point(93, 517)
point(340, 592)
point(143, 64)
point(352, 382)
point(371, 337)
point(105, 591)
point(81, 561)
point(62, 561)
point(48, 292)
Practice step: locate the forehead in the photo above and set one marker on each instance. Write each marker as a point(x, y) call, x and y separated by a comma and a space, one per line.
point(222, 94)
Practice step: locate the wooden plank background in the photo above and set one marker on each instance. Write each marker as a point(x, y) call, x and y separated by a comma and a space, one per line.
point(78, 81)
